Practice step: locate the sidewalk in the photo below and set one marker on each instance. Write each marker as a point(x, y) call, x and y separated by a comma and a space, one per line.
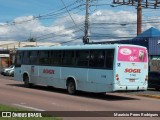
point(150, 96)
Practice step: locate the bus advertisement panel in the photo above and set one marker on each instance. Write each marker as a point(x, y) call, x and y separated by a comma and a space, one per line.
point(132, 54)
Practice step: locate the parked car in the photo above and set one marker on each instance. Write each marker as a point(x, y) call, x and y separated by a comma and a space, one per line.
point(10, 73)
point(154, 80)
point(6, 70)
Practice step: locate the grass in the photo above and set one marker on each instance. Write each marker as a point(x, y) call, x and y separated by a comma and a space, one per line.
point(8, 108)
point(4, 108)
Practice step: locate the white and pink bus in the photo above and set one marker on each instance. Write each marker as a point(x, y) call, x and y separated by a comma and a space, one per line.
point(90, 68)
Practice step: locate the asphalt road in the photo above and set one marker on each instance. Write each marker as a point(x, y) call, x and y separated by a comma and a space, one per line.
point(40, 98)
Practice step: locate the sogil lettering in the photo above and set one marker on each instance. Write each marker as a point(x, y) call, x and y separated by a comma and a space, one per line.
point(47, 71)
point(130, 70)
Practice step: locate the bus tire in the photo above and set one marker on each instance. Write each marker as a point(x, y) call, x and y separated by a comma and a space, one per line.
point(26, 81)
point(71, 87)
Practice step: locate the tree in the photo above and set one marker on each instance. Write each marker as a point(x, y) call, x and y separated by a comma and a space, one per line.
point(32, 39)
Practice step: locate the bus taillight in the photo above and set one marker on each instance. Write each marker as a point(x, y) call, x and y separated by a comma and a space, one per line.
point(117, 77)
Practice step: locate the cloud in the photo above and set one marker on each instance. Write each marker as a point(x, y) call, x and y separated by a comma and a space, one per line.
point(3, 30)
point(103, 25)
point(109, 24)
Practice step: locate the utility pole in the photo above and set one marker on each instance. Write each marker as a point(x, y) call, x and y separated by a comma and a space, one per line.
point(139, 17)
point(139, 5)
point(85, 38)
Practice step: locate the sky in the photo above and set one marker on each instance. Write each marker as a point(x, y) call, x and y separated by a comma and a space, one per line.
point(62, 21)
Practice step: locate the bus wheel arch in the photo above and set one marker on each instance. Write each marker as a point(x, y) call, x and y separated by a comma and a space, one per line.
point(26, 80)
point(71, 85)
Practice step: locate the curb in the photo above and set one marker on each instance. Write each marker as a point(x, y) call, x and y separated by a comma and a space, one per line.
point(150, 96)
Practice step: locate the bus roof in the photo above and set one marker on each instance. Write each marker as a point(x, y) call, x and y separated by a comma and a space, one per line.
point(77, 47)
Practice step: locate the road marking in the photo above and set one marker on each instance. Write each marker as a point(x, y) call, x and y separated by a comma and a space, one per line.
point(22, 103)
point(28, 107)
point(54, 103)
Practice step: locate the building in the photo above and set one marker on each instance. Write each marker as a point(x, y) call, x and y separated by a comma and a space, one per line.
point(15, 44)
point(4, 58)
point(150, 39)
point(11, 46)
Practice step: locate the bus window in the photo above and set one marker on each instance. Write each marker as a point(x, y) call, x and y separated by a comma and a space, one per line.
point(82, 58)
point(26, 57)
point(44, 58)
point(18, 59)
point(34, 57)
point(109, 59)
point(97, 58)
point(55, 57)
point(68, 58)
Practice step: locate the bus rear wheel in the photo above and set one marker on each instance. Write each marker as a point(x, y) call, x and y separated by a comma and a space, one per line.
point(71, 87)
point(26, 81)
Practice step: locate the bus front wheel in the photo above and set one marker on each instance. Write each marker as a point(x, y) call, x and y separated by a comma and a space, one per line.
point(71, 87)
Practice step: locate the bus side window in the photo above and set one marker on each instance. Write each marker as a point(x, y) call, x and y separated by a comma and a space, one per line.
point(109, 59)
point(18, 59)
point(82, 58)
point(68, 58)
point(97, 58)
point(56, 57)
point(34, 58)
point(44, 57)
point(26, 57)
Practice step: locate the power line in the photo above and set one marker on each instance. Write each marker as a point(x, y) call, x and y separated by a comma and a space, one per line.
point(51, 13)
point(79, 38)
point(139, 4)
point(47, 15)
point(70, 15)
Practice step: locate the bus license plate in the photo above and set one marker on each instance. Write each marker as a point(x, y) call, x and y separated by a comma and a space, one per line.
point(131, 80)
